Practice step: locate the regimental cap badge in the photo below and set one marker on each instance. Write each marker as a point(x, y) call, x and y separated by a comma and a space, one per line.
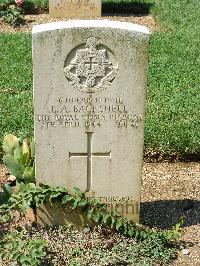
point(91, 70)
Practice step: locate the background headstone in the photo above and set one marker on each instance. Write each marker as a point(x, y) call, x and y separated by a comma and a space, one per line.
point(74, 8)
point(89, 101)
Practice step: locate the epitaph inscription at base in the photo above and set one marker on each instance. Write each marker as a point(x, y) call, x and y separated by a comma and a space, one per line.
point(89, 95)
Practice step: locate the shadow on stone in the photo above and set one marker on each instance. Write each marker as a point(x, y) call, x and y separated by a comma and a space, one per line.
point(166, 213)
point(54, 214)
point(119, 7)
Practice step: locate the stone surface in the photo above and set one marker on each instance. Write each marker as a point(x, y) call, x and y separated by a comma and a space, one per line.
point(74, 8)
point(89, 101)
point(53, 214)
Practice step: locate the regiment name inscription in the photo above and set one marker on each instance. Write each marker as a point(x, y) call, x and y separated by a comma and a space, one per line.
point(72, 112)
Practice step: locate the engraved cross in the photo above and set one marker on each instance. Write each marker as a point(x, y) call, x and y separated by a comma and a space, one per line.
point(91, 63)
point(89, 154)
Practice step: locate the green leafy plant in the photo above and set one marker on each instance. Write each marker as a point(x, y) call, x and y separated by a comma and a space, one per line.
point(95, 210)
point(5, 195)
point(19, 158)
point(126, 6)
point(12, 12)
point(156, 243)
point(40, 6)
point(19, 247)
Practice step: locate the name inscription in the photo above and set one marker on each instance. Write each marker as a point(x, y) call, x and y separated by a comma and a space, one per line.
point(76, 4)
point(88, 112)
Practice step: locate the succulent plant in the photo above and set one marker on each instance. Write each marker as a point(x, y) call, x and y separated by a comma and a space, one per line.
point(19, 158)
point(5, 195)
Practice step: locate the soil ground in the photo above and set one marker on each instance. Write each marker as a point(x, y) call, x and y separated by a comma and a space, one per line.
point(169, 190)
point(31, 20)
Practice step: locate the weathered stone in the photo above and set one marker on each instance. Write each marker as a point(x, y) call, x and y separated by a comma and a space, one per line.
point(54, 214)
point(89, 94)
point(74, 8)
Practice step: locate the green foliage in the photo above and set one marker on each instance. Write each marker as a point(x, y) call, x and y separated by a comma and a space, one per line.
point(172, 126)
point(8, 189)
point(16, 73)
point(19, 247)
point(5, 195)
point(178, 15)
point(98, 245)
point(10, 144)
point(96, 210)
point(40, 5)
point(29, 7)
point(12, 118)
point(11, 13)
point(108, 6)
point(19, 158)
point(126, 6)
point(156, 243)
point(35, 6)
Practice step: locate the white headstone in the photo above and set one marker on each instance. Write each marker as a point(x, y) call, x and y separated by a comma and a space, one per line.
point(89, 100)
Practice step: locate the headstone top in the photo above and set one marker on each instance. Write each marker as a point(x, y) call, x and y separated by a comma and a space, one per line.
point(90, 23)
